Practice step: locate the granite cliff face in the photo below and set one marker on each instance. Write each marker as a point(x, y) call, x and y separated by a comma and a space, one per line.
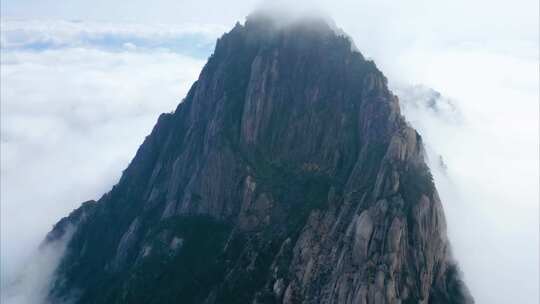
point(287, 175)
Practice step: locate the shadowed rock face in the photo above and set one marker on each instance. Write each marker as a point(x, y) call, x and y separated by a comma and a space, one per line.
point(287, 175)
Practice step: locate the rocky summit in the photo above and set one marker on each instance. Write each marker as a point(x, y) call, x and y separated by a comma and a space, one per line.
point(286, 175)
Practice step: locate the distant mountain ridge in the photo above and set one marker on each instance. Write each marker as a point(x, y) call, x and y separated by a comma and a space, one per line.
point(286, 175)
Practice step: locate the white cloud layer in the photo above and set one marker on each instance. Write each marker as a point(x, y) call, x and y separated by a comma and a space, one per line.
point(487, 179)
point(79, 97)
point(31, 283)
point(71, 119)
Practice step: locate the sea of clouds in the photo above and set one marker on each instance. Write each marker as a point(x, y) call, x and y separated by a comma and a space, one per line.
point(77, 101)
point(78, 98)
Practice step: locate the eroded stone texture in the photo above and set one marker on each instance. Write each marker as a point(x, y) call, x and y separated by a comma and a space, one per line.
point(287, 175)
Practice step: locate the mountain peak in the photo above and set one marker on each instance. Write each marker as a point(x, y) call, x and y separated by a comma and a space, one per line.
point(287, 175)
point(274, 19)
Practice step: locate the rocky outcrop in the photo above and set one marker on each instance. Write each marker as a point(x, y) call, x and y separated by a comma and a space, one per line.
point(287, 175)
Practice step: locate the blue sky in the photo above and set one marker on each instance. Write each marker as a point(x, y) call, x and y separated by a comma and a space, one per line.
point(84, 81)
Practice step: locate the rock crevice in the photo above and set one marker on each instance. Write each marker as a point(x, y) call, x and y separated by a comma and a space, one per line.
point(286, 175)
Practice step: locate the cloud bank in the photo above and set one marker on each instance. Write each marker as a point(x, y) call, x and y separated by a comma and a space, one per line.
point(486, 179)
point(41, 35)
point(71, 120)
point(31, 283)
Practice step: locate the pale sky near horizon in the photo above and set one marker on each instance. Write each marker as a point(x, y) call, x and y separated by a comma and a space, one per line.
point(82, 83)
